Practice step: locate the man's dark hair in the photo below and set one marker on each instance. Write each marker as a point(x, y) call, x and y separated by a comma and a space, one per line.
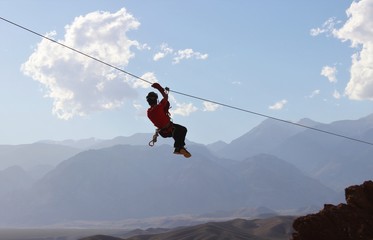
point(152, 98)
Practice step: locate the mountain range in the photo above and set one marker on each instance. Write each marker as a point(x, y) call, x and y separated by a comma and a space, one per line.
point(335, 161)
point(278, 228)
point(276, 165)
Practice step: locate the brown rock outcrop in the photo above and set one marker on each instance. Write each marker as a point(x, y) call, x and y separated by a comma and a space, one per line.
point(351, 221)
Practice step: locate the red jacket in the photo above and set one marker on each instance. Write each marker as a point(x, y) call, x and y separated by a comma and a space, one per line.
point(158, 114)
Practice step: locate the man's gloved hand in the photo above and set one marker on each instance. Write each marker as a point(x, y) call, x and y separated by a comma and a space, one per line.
point(158, 86)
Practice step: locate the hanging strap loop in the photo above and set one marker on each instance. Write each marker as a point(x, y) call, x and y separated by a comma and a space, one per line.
point(154, 140)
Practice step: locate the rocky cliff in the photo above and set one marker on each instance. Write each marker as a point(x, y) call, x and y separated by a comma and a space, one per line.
point(351, 221)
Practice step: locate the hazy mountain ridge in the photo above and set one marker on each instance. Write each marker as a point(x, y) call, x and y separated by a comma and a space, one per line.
point(276, 178)
point(138, 139)
point(95, 183)
point(278, 228)
point(29, 156)
point(335, 161)
point(262, 139)
point(132, 182)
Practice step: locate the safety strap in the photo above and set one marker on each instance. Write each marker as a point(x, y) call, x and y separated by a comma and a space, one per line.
point(155, 136)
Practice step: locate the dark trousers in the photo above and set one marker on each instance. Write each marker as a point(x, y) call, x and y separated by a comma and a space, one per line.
point(177, 132)
point(178, 135)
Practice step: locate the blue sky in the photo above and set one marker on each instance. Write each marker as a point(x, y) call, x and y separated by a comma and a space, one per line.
point(286, 59)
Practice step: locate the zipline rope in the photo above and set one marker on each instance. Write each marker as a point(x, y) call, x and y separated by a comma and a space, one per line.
point(274, 118)
point(184, 94)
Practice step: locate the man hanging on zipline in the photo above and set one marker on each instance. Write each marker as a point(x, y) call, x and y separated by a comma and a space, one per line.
point(159, 115)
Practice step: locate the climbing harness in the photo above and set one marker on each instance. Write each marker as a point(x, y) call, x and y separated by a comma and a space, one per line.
point(165, 132)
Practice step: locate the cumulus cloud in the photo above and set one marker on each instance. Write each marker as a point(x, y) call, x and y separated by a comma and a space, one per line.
point(148, 77)
point(164, 51)
point(358, 29)
point(79, 85)
point(184, 109)
point(327, 27)
point(187, 54)
point(329, 73)
point(178, 55)
point(209, 106)
point(278, 105)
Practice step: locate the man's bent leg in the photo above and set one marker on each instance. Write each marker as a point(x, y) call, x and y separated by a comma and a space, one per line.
point(179, 135)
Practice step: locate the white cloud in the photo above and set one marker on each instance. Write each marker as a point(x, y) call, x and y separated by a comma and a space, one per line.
point(159, 56)
point(183, 109)
point(79, 85)
point(138, 106)
point(143, 46)
point(209, 106)
point(278, 105)
point(327, 27)
point(358, 29)
point(314, 93)
point(179, 55)
point(329, 73)
point(149, 76)
point(187, 54)
point(165, 50)
point(336, 94)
